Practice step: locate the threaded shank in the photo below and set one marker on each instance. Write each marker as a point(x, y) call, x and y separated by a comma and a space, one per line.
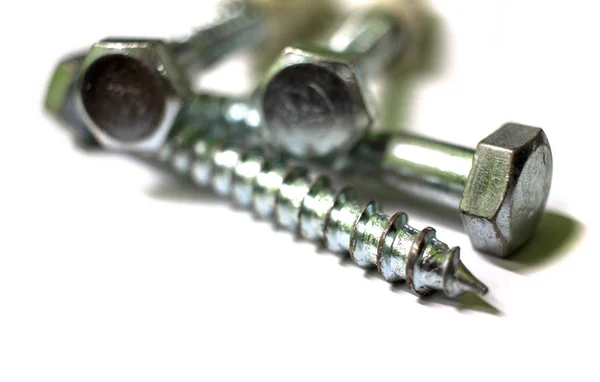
point(310, 207)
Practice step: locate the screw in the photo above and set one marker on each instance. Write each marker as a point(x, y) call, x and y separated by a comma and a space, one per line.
point(130, 92)
point(500, 188)
point(60, 98)
point(313, 106)
point(310, 207)
point(202, 108)
point(312, 102)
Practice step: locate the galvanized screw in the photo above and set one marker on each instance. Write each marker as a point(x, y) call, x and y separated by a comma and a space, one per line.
point(500, 189)
point(313, 106)
point(310, 207)
point(312, 101)
point(130, 92)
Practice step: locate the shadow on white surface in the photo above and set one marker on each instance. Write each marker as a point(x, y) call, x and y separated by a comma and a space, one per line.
point(554, 240)
point(174, 188)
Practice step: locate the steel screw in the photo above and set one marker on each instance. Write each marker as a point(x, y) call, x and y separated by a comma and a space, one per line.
point(312, 101)
point(500, 189)
point(130, 92)
point(310, 207)
point(313, 106)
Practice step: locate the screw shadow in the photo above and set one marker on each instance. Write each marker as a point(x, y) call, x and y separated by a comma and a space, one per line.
point(555, 237)
point(175, 188)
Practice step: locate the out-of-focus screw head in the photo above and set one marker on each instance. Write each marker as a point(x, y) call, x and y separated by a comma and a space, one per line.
point(312, 103)
point(60, 98)
point(130, 93)
point(507, 188)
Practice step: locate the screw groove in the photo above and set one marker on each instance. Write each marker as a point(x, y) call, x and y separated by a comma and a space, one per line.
point(310, 207)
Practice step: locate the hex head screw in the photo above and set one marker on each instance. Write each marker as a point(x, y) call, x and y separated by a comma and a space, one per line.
point(312, 101)
point(500, 188)
point(313, 106)
point(129, 92)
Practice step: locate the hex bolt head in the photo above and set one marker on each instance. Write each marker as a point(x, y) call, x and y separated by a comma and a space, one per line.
point(313, 104)
point(507, 189)
point(130, 93)
point(60, 98)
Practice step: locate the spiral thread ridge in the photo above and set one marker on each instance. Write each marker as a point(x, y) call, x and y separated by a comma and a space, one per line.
point(309, 206)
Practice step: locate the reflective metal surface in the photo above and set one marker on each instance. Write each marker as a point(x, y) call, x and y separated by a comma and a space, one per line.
point(312, 101)
point(132, 91)
point(418, 166)
point(60, 98)
point(310, 206)
point(500, 189)
point(507, 189)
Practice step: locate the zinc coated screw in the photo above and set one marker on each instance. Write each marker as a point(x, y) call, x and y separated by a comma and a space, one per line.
point(312, 101)
point(131, 91)
point(312, 105)
point(500, 188)
point(310, 207)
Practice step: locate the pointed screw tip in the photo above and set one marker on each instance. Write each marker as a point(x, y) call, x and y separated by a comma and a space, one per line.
point(469, 283)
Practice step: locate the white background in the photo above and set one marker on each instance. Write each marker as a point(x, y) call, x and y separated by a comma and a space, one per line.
point(110, 270)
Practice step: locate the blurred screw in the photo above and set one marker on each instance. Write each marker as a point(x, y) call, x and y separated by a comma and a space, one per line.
point(130, 92)
point(310, 207)
point(312, 102)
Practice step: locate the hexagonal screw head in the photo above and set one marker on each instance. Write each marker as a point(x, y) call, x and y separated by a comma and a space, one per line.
point(312, 103)
point(60, 98)
point(130, 93)
point(507, 189)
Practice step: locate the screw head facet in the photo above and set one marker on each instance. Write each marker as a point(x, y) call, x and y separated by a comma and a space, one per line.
point(312, 104)
point(507, 188)
point(130, 93)
point(60, 98)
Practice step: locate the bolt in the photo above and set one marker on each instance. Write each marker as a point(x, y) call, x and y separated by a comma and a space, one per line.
point(310, 207)
point(130, 92)
point(312, 101)
point(500, 188)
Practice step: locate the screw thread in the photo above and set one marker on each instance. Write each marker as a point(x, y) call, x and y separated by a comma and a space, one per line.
point(309, 206)
point(206, 108)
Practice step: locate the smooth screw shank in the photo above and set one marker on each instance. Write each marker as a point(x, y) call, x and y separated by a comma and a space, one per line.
point(310, 207)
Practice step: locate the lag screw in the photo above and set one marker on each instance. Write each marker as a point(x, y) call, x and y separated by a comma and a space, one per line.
point(310, 207)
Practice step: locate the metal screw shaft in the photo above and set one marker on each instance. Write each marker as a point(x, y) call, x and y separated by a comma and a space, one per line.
point(500, 189)
point(239, 24)
point(370, 40)
point(314, 210)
